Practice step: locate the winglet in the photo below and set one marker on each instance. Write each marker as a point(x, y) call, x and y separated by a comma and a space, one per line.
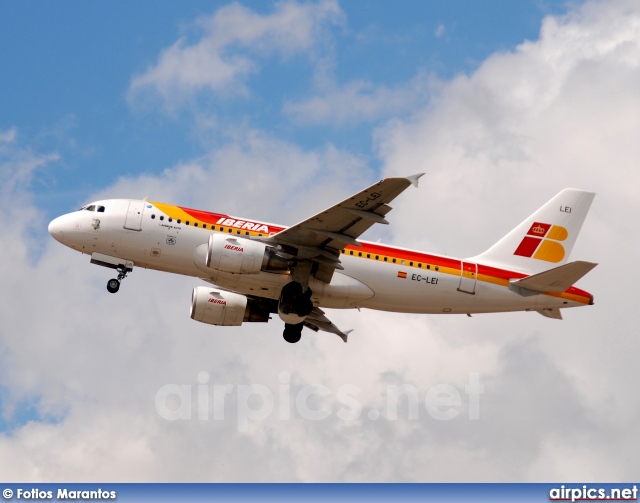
point(414, 179)
point(344, 335)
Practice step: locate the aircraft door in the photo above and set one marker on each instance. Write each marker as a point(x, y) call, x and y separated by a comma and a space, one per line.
point(133, 220)
point(468, 276)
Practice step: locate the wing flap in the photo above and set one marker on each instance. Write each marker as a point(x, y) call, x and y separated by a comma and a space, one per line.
point(551, 312)
point(379, 219)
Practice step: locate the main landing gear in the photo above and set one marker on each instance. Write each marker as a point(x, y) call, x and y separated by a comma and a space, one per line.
point(294, 305)
point(292, 333)
point(113, 285)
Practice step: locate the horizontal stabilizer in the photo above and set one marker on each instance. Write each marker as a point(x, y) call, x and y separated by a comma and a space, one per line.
point(552, 312)
point(557, 279)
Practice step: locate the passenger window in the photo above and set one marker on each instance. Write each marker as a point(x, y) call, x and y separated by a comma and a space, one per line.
point(419, 265)
point(359, 254)
point(153, 217)
point(385, 259)
point(100, 209)
point(195, 224)
point(246, 233)
point(204, 226)
point(221, 229)
point(402, 262)
point(437, 268)
point(170, 219)
point(230, 231)
point(368, 255)
point(178, 221)
point(411, 264)
point(161, 217)
point(377, 257)
point(394, 261)
point(187, 222)
point(351, 252)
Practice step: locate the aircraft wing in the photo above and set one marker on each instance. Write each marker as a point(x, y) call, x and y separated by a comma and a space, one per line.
point(321, 237)
point(318, 321)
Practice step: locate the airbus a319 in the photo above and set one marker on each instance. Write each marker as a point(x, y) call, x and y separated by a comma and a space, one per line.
point(254, 269)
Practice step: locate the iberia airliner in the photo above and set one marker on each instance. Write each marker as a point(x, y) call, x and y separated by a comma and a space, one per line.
point(255, 268)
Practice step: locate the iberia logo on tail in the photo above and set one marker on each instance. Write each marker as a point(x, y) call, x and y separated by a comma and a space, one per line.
point(534, 246)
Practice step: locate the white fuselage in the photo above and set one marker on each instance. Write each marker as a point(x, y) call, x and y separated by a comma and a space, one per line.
point(408, 281)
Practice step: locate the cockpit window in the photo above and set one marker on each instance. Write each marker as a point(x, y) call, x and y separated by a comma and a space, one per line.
point(100, 209)
point(91, 208)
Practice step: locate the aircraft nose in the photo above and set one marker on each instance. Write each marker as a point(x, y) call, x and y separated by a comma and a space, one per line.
point(56, 228)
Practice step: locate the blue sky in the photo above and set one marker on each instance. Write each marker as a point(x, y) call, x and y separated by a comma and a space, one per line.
point(67, 69)
point(275, 111)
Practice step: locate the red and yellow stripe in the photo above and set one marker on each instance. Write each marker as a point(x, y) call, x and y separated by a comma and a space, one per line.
point(445, 265)
point(214, 221)
point(370, 251)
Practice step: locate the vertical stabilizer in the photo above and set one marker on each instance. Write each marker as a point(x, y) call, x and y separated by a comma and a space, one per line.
point(545, 239)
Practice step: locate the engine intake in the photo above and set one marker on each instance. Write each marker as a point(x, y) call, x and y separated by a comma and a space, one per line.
point(242, 256)
point(216, 307)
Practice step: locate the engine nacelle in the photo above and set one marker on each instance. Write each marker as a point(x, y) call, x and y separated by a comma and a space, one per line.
point(242, 256)
point(217, 307)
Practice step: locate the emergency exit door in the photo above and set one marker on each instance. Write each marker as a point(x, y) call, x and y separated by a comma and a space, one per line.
point(133, 221)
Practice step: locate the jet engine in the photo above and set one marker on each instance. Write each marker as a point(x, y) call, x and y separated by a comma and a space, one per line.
point(242, 256)
point(217, 307)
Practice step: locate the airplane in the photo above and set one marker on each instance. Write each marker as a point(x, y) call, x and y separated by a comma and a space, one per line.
point(255, 269)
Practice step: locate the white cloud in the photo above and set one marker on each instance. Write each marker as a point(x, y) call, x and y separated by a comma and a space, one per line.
point(245, 176)
point(560, 398)
point(557, 112)
point(223, 58)
point(439, 31)
point(358, 102)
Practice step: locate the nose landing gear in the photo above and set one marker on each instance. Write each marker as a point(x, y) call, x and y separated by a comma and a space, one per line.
point(113, 285)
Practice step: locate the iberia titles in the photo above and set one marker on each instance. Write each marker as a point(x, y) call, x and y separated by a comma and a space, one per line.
point(242, 224)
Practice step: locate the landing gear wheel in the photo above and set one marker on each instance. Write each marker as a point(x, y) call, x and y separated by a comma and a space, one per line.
point(113, 285)
point(292, 333)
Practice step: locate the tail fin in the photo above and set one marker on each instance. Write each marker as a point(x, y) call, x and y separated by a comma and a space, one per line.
point(545, 239)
